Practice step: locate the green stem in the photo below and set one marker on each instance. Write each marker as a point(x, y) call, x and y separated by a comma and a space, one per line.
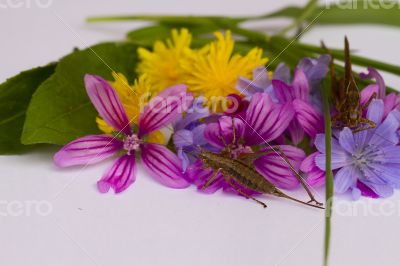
point(329, 175)
point(307, 11)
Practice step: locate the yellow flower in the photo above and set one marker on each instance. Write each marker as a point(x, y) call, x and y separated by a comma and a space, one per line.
point(133, 98)
point(162, 65)
point(214, 70)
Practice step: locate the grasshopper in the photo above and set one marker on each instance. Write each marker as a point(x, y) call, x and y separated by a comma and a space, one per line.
point(237, 171)
point(346, 97)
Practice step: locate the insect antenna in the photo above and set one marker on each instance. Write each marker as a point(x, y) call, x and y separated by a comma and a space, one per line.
point(302, 202)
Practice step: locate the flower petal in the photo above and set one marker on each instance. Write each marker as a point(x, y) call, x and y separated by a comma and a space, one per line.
point(213, 134)
point(274, 168)
point(367, 92)
point(345, 178)
point(375, 111)
point(183, 138)
point(282, 72)
point(163, 165)
point(374, 74)
point(366, 191)
point(301, 85)
point(163, 109)
point(346, 140)
point(107, 103)
point(386, 133)
point(265, 120)
point(87, 150)
point(315, 176)
point(296, 132)
point(283, 92)
point(309, 118)
point(120, 176)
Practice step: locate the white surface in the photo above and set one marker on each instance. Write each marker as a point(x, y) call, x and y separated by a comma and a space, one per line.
point(150, 224)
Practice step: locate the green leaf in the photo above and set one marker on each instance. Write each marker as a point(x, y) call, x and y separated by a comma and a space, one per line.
point(15, 95)
point(328, 175)
point(348, 12)
point(60, 110)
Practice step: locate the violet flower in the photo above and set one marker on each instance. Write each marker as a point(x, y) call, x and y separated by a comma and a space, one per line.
point(307, 118)
point(366, 162)
point(264, 122)
point(189, 132)
point(315, 69)
point(391, 101)
point(160, 162)
point(261, 82)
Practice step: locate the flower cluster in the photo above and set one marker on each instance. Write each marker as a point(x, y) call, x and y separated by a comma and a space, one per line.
point(270, 119)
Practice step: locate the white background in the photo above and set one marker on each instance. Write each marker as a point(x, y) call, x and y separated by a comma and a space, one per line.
point(150, 224)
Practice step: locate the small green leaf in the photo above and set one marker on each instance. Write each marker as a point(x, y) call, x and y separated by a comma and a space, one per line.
point(328, 175)
point(60, 110)
point(15, 95)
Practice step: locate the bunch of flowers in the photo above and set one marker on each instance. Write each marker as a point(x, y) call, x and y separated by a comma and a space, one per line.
point(186, 99)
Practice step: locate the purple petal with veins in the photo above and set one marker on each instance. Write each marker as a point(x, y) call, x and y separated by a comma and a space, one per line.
point(163, 165)
point(107, 103)
point(165, 108)
point(120, 176)
point(274, 167)
point(87, 150)
point(265, 120)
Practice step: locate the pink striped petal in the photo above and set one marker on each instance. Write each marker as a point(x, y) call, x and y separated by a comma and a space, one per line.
point(213, 134)
point(296, 131)
point(274, 168)
point(301, 86)
point(120, 176)
point(87, 150)
point(107, 103)
point(284, 92)
point(221, 133)
point(309, 118)
point(163, 109)
point(163, 165)
point(315, 176)
point(265, 120)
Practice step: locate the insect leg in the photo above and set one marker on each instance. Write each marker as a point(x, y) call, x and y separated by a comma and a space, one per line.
point(366, 121)
point(233, 131)
point(373, 96)
point(238, 190)
point(211, 179)
point(299, 177)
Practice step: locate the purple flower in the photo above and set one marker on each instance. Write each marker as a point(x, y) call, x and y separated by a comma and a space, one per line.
point(189, 132)
point(264, 122)
point(391, 101)
point(370, 156)
point(160, 162)
point(315, 69)
point(261, 82)
point(315, 176)
point(307, 118)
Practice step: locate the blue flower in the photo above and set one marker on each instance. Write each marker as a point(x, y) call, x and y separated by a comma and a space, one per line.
point(370, 156)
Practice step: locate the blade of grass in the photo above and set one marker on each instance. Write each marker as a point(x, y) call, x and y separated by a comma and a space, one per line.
point(306, 12)
point(328, 176)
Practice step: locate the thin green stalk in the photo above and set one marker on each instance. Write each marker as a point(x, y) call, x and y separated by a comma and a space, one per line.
point(306, 12)
point(328, 175)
